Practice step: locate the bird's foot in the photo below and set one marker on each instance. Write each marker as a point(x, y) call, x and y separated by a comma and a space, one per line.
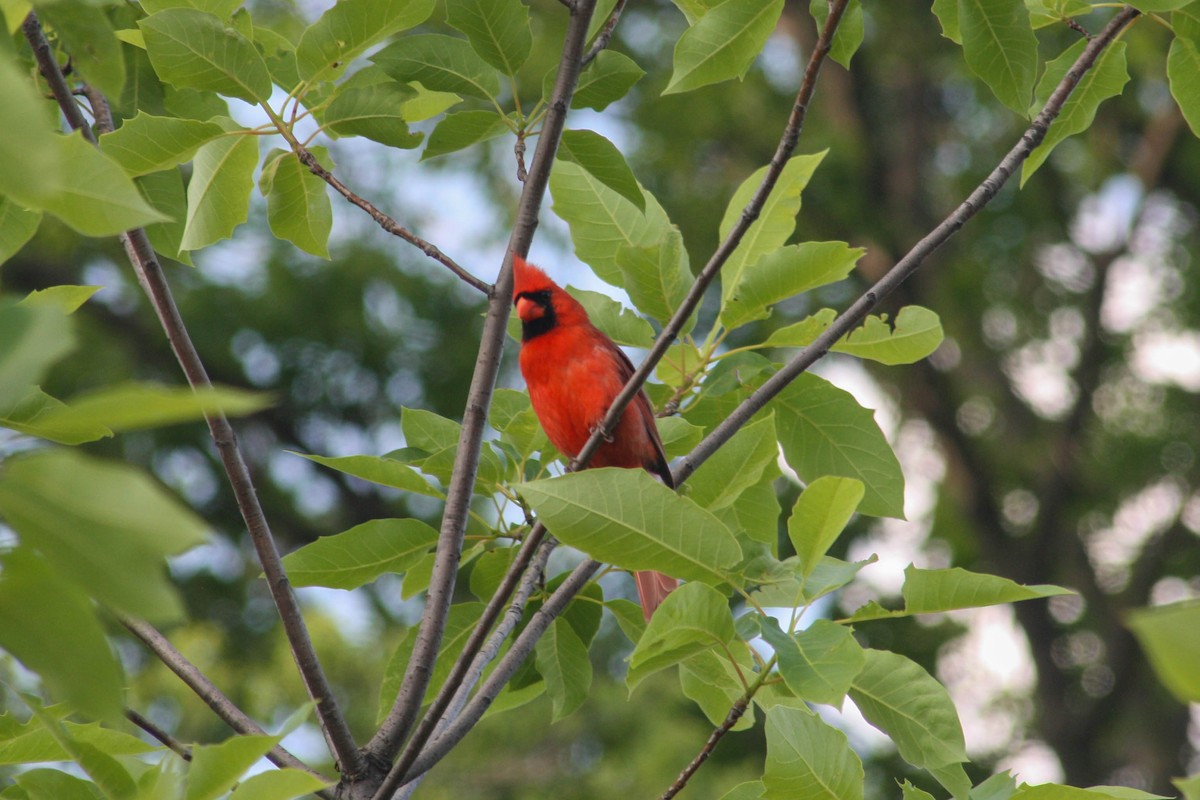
point(608, 437)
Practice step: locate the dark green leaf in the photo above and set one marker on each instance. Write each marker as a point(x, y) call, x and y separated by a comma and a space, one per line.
point(562, 660)
point(1000, 48)
point(603, 161)
point(819, 663)
point(723, 43)
point(607, 79)
point(191, 49)
point(463, 129)
point(441, 63)
point(692, 619)
point(497, 29)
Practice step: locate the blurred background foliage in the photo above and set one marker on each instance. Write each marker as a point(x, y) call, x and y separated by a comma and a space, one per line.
point(1052, 439)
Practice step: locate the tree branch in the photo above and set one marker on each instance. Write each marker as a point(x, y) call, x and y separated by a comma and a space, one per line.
point(150, 275)
point(731, 719)
point(605, 35)
point(179, 748)
point(386, 742)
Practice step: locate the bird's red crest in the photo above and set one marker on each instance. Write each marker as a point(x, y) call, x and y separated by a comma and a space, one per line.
point(528, 278)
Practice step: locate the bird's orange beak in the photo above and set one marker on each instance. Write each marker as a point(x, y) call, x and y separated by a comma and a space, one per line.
point(528, 310)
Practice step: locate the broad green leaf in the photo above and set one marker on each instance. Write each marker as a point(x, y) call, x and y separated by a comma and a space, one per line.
point(463, 129)
point(850, 31)
point(194, 50)
point(280, 55)
point(1056, 791)
point(931, 590)
point(750, 790)
point(904, 701)
point(774, 224)
point(194, 103)
point(350, 27)
point(1105, 79)
point(165, 192)
point(278, 784)
point(32, 338)
point(1000, 48)
point(427, 430)
point(755, 513)
point(602, 221)
point(459, 624)
point(808, 758)
point(30, 742)
point(1189, 787)
point(52, 784)
point(783, 273)
point(1183, 71)
point(32, 158)
point(378, 469)
point(1043, 13)
point(947, 14)
point(65, 297)
point(1170, 635)
point(737, 466)
point(360, 555)
point(113, 780)
point(679, 365)
point(820, 515)
point(723, 43)
point(148, 144)
point(824, 431)
point(218, 8)
point(709, 680)
point(50, 626)
point(1186, 23)
point(99, 522)
point(17, 225)
point(657, 277)
point(692, 619)
point(217, 767)
point(85, 32)
point(441, 63)
point(428, 104)
point(603, 161)
point(95, 196)
point(135, 406)
point(695, 9)
point(219, 190)
point(497, 29)
point(619, 323)
point(917, 333)
point(374, 111)
point(1158, 6)
point(802, 333)
point(819, 663)
point(607, 79)
point(1000, 786)
point(562, 659)
point(910, 792)
point(298, 207)
point(678, 435)
point(625, 517)
point(28, 416)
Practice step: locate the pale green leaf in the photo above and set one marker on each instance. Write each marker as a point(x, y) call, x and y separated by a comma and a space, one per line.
point(32, 338)
point(135, 406)
point(1000, 48)
point(678, 436)
point(619, 323)
point(820, 515)
point(932, 590)
point(428, 104)
point(28, 415)
point(497, 29)
point(657, 277)
point(802, 333)
point(627, 518)
point(723, 43)
point(904, 701)
point(217, 767)
point(113, 780)
point(219, 191)
point(166, 193)
point(562, 659)
point(1183, 71)
point(17, 225)
point(808, 758)
point(783, 273)
point(30, 742)
point(692, 619)
point(194, 50)
point(709, 680)
point(66, 298)
point(375, 111)
point(52, 784)
point(427, 430)
point(279, 784)
point(1158, 6)
point(850, 31)
point(607, 79)
point(298, 207)
point(694, 9)
point(750, 790)
point(819, 663)
point(1170, 635)
point(824, 431)
point(910, 792)
point(1056, 791)
point(1189, 787)
point(463, 129)
point(441, 63)
point(603, 161)
point(735, 467)
point(32, 158)
point(459, 624)
point(378, 469)
point(360, 555)
point(218, 8)
point(917, 333)
point(148, 144)
point(350, 27)
point(84, 31)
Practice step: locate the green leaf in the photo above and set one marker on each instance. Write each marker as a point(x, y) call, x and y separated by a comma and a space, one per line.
point(850, 31)
point(679, 437)
point(932, 590)
point(219, 190)
point(350, 27)
point(695, 9)
point(428, 104)
point(947, 14)
point(1000, 48)
point(497, 29)
point(30, 742)
point(619, 323)
point(820, 515)
point(135, 406)
point(17, 225)
point(194, 50)
point(807, 758)
point(607, 79)
point(148, 144)
point(98, 198)
point(900, 698)
point(278, 784)
point(819, 663)
point(774, 224)
point(737, 466)
point(98, 523)
point(1170, 635)
point(378, 469)
point(441, 63)
point(917, 333)
point(750, 790)
point(723, 43)
point(824, 431)
point(910, 792)
point(32, 339)
point(218, 8)
point(217, 767)
point(27, 416)
point(603, 161)
point(783, 273)
point(51, 784)
point(1189, 787)
point(1183, 71)
point(360, 555)
point(1105, 79)
point(375, 111)
point(1159, 6)
point(709, 679)
point(625, 517)
point(66, 298)
point(113, 779)
point(463, 129)
point(692, 619)
point(657, 277)
point(85, 32)
point(30, 153)
point(1055, 791)
point(298, 207)
point(50, 626)
point(165, 192)
point(427, 430)
point(802, 333)
point(562, 659)
point(459, 624)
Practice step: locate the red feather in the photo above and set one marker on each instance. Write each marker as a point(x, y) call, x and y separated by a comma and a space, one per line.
point(574, 371)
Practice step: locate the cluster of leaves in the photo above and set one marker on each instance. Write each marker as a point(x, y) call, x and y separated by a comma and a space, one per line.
point(172, 68)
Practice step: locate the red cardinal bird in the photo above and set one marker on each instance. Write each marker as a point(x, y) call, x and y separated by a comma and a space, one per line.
point(574, 372)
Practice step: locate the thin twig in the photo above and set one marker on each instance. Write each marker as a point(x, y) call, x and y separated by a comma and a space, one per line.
point(731, 719)
point(207, 691)
point(179, 748)
point(605, 35)
point(386, 742)
point(387, 223)
point(150, 275)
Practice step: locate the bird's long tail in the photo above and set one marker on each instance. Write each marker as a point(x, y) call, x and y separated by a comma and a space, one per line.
point(653, 588)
